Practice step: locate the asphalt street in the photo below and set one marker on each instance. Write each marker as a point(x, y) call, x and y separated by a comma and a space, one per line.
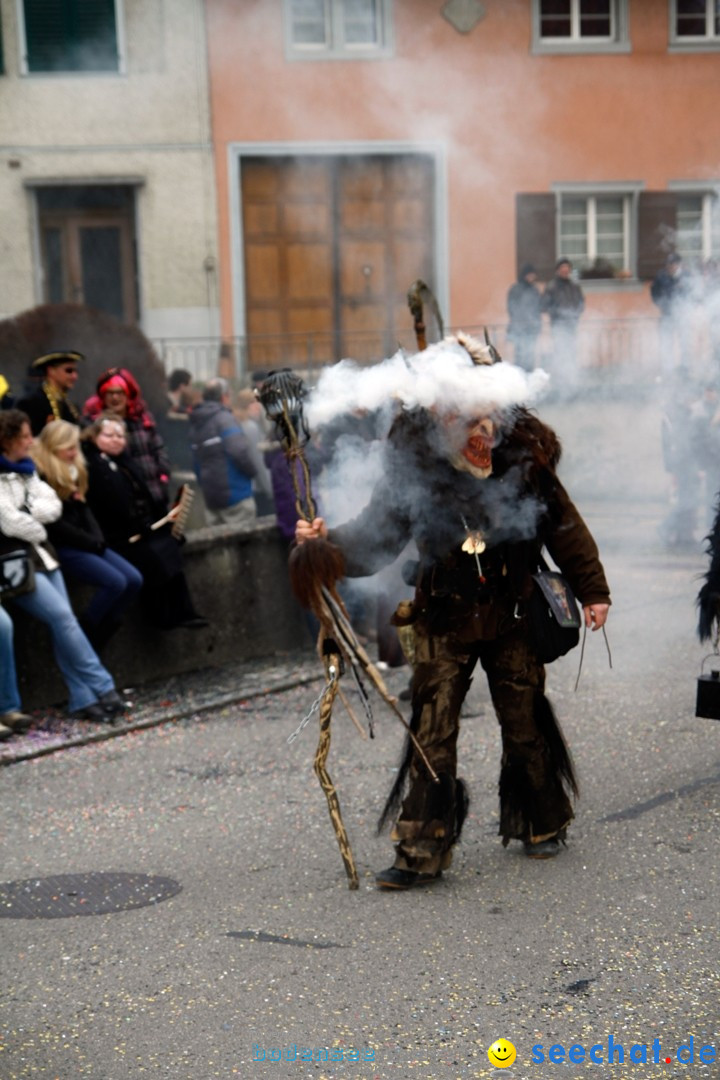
point(255, 949)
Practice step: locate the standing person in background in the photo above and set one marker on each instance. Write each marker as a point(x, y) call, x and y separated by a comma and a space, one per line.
point(249, 412)
point(50, 401)
point(223, 458)
point(27, 505)
point(182, 398)
point(564, 303)
point(525, 312)
point(671, 292)
point(119, 393)
point(179, 392)
point(78, 538)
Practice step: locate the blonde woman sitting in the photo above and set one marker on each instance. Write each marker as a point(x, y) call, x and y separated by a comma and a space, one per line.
point(77, 536)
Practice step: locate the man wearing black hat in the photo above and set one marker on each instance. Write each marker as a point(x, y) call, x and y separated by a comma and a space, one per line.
point(50, 401)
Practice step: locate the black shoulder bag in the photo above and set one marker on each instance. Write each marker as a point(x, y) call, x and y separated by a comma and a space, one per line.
point(17, 572)
point(553, 614)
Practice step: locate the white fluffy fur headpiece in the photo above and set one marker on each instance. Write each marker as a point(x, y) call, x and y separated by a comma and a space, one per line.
point(457, 375)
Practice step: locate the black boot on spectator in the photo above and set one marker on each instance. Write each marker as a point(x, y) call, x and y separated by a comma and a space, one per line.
point(92, 712)
point(112, 703)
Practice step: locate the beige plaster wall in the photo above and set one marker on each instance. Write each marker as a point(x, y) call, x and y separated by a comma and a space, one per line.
point(150, 126)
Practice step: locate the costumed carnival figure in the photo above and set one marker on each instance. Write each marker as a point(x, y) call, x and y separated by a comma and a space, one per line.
point(49, 401)
point(708, 598)
point(470, 477)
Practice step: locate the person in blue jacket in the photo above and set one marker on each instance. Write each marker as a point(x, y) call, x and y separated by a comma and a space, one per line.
point(223, 458)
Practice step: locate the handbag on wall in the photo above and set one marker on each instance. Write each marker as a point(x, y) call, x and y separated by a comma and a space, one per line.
point(554, 615)
point(17, 573)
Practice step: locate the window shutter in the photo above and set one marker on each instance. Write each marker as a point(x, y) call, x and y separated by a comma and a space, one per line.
point(70, 35)
point(657, 222)
point(535, 233)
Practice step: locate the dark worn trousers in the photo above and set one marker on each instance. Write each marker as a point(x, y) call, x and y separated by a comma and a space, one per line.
point(533, 802)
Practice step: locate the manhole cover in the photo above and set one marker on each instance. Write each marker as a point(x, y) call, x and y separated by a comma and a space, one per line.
point(82, 894)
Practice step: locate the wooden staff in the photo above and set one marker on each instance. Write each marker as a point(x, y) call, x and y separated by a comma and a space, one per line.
point(333, 668)
point(419, 295)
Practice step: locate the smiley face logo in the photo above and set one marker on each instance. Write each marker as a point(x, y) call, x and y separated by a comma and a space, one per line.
point(501, 1054)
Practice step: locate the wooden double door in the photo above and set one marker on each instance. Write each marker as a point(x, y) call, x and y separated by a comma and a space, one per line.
point(331, 246)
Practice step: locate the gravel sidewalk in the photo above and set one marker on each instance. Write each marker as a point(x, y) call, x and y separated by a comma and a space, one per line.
point(164, 701)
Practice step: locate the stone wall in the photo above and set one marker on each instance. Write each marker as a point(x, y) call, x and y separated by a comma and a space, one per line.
point(238, 579)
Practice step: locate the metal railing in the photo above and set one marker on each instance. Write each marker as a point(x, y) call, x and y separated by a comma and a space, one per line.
point(631, 345)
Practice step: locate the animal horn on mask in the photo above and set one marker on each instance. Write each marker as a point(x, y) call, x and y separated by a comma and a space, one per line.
point(478, 352)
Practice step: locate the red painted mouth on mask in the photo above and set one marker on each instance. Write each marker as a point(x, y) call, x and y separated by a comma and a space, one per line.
point(478, 452)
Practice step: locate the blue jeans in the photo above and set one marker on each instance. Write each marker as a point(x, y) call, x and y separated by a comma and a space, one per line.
point(84, 675)
point(118, 581)
point(9, 694)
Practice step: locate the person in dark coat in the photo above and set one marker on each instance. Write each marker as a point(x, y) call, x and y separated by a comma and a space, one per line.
point(121, 501)
point(50, 400)
point(672, 292)
point(223, 457)
point(563, 301)
point(78, 538)
point(118, 392)
point(474, 483)
point(525, 311)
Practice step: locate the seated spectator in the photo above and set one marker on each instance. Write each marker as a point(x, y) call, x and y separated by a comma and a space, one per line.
point(78, 538)
point(119, 393)
point(223, 458)
point(12, 719)
point(126, 512)
point(27, 504)
point(49, 400)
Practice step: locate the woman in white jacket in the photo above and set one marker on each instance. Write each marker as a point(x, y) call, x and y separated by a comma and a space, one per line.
point(26, 505)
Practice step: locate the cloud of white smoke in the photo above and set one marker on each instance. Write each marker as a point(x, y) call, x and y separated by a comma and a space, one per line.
point(443, 377)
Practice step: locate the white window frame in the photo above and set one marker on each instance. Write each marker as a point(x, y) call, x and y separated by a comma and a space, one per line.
point(708, 42)
point(710, 211)
point(336, 48)
point(629, 192)
point(72, 73)
point(618, 42)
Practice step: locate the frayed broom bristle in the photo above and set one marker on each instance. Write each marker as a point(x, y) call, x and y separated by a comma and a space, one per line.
point(312, 566)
